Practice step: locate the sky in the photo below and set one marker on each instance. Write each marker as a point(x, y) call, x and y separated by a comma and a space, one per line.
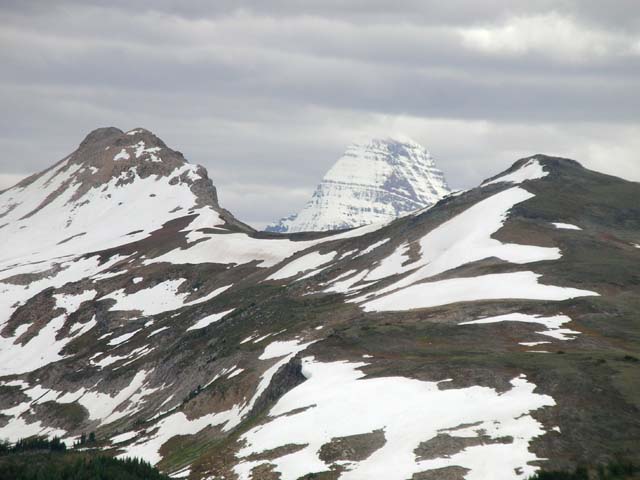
point(266, 94)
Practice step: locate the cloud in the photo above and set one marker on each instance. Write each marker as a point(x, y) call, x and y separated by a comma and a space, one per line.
point(267, 95)
point(551, 35)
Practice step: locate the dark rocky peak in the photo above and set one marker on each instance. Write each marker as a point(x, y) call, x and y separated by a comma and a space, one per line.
point(112, 149)
point(100, 135)
point(548, 161)
point(105, 136)
point(536, 167)
point(111, 156)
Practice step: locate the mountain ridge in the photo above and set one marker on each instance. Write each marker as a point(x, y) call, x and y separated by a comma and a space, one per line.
point(215, 352)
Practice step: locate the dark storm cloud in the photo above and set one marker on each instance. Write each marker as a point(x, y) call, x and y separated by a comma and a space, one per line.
point(267, 94)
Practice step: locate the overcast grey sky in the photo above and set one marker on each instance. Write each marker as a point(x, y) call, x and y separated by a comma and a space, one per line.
point(267, 94)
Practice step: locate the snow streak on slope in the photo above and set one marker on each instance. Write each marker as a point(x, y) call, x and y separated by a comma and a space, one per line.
point(553, 323)
point(374, 181)
point(232, 248)
point(467, 238)
point(208, 320)
point(330, 405)
point(305, 263)
point(566, 226)
point(532, 170)
point(499, 286)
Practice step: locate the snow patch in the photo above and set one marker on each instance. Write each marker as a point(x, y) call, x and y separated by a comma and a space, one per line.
point(209, 296)
point(71, 303)
point(124, 437)
point(332, 397)
point(123, 338)
point(122, 155)
point(39, 351)
point(155, 332)
point(532, 170)
point(348, 284)
point(235, 372)
point(566, 226)
point(499, 286)
point(372, 247)
point(206, 321)
point(160, 298)
point(553, 324)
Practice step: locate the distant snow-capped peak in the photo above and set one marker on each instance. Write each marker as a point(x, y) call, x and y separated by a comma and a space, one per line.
point(376, 180)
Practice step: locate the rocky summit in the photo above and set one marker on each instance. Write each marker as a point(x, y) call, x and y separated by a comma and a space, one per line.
point(375, 181)
point(488, 336)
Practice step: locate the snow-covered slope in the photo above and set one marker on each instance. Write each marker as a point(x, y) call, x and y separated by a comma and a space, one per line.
point(143, 312)
point(374, 181)
point(115, 188)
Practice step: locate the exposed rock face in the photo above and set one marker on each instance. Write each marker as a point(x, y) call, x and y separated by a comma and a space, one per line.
point(410, 350)
point(374, 181)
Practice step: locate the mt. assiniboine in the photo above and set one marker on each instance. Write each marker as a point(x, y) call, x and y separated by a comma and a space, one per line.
point(486, 337)
point(377, 180)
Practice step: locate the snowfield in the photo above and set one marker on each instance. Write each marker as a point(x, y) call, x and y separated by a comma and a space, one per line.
point(233, 248)
point(330, 405)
